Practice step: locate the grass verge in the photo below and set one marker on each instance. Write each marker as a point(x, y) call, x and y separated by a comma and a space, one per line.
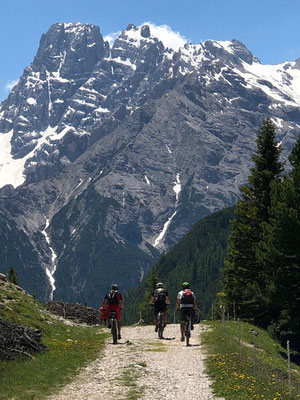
point(129, 379)
point(157, 347)
point(69, 348)
point(240, 371)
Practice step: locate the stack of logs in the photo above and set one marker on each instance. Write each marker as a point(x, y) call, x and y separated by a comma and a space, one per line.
point(18, 341)
point(79, 313)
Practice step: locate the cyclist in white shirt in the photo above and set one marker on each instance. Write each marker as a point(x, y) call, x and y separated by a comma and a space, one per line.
point(187, 304)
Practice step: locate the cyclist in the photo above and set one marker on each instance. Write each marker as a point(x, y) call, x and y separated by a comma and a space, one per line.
point(186, 302)
point(113, 302)
point(161, 299)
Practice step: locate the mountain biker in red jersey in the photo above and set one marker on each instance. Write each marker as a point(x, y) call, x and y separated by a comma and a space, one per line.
point(113, 302)
point(187, 304)
point(161, 299)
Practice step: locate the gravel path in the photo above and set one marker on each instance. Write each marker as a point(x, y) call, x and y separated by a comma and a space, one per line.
point(144, 367)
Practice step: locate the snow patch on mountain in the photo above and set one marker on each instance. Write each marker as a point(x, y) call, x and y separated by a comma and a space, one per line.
point(193, 54)
point(12, 169)
point(281, 82)
point(164, 230)
point(224, 44)
point(31, 101)
point(50, 270)
point(177, 187)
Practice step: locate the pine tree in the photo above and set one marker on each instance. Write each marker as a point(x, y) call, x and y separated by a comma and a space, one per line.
point(279, 252)
point(145, 309)
point(244, 278)
point(12, 276)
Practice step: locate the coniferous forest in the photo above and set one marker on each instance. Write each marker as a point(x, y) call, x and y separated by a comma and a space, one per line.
point(245, 258)
point(197, 258)
point(262, 268)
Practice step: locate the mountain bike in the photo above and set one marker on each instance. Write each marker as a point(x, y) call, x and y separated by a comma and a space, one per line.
point(113, 324)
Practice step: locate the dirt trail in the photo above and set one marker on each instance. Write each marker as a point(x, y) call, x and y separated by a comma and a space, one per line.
point(144, 367)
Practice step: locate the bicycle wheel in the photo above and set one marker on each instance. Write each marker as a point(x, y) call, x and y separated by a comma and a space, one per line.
point(187, 332)
point(114, 331)
point(160, 325)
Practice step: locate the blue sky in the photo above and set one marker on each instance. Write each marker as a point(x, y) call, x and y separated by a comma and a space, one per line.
point(269, 28)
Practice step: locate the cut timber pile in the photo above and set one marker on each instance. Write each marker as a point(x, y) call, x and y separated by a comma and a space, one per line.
point(76, 312)
point(18, 341)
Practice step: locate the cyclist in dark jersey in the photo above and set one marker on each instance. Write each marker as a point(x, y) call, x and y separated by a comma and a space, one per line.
point(160, 298)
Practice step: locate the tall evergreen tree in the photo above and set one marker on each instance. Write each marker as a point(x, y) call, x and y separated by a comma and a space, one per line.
point(152, 279)
point(243, 275)
point(279, 252)
point(12, 276)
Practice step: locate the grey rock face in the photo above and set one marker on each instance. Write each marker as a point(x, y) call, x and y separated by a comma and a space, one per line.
point(127, 147)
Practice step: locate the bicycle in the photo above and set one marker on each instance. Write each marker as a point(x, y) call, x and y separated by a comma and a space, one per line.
point(113, 324)
point(160, 322)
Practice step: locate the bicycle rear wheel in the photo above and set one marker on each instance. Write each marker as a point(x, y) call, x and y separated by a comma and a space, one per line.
point(114, 331)
point(160, 325)
point(187, 332)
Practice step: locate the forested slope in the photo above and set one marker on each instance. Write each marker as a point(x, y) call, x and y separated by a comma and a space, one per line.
point(197, 258)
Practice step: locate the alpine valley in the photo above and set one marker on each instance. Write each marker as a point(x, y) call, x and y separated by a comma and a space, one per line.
point(110, 153)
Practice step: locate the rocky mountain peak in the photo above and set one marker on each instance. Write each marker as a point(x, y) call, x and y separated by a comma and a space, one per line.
point(145, 31)
point(234, 50)
point(69, 49)
point(126, 147)
point(297, 63)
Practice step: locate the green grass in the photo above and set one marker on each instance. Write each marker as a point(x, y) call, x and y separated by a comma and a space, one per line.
point(69, 348)
point(156, 347)
point(231, 366)
point(129, 378)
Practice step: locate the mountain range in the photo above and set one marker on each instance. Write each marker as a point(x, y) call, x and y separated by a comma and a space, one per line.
point(110, 153)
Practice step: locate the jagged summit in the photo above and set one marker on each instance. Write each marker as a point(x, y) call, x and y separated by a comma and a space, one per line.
point(76, 81)
point(110, 153)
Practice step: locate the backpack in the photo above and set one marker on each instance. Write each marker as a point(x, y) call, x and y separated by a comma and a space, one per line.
point(187, 297)
point(112, 297)
point(160, 295)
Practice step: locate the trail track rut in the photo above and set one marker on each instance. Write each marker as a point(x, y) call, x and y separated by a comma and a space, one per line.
point(144, 367)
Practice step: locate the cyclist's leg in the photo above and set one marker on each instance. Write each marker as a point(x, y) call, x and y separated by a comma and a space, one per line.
point(192, 319)
point(108, 311)
point(165, 315)
point(189, 312)
point(165, 318)
point(118, 312)
point(156, 311)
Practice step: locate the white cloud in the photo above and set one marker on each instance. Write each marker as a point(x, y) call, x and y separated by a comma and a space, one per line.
point(10, 85)
point(166, 35)
point(111, 37)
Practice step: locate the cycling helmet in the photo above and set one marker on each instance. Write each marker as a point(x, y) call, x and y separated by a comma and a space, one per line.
point(159, 285)
point(114, 286)
point(185, 285)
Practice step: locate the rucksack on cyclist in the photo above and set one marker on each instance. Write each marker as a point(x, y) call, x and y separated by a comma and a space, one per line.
point(112, 297)
point(160, 295)
point(187, 297)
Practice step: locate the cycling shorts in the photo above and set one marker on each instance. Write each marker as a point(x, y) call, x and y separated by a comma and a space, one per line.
point(113, 307)
point(159, 307)
point(186, 311)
